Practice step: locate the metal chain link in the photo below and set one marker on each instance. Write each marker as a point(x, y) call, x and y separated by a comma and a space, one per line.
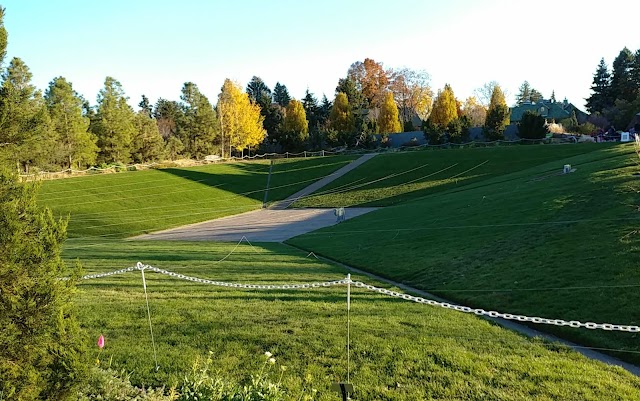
point(245, 286)
point(140, 266)
point(508, 316)
point(395, 294)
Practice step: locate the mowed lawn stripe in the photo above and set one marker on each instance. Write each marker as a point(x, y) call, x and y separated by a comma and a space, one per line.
point(130, 203)
point(394, 178)
point(400, 350)
point(498, 244)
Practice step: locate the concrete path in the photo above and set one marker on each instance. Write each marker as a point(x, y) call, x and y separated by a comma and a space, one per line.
point(508, 324)
point(283, 204)
point(263, 225)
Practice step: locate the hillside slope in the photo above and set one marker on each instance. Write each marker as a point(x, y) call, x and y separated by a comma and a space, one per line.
point(530, 242)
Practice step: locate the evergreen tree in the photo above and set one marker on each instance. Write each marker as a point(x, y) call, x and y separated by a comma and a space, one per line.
point(167, 114)
point(388, 120)
point(147, 145)
point(24, 120)
point(323, 111)
point(310, 105)
point(532, 126)
point(497, 116)
point(145, 106)
point(281, 95)
point(3, 37)
point(259, 92)
point(635, 74)
point(75, 145)
point(524, 93)
point(113, 123)
point(600, 97)
point(295, 124)
point(40, 342)
point(536, 96)
point(621, 79)
point(198, 127)
point(273, 121)
point(445, 108)
point(553, 96)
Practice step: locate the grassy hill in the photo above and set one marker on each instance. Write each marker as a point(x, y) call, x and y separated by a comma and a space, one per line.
point(400, 350)
point(131, 203)
point(530, 242)
point(393, 178)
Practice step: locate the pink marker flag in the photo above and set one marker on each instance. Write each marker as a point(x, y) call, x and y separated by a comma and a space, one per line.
point(101, 341)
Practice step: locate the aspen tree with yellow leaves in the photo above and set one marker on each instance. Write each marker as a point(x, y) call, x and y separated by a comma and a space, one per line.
point(240, 119)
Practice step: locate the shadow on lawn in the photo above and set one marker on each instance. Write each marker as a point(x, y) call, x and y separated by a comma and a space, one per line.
point(250, 179)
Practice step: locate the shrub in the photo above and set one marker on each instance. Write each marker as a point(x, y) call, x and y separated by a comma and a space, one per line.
point(532, 126)
point(40, 343)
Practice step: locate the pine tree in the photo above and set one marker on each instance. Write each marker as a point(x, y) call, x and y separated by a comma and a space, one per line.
point(388, 120)
point(167, 114)
point(259, 92)
point(323, 111)
point(445, 108)
point(3, 37)
point(497, 116)
point(198, 127)
point(310, 105)
point(147, 145)
point(145, 106)
point(524, 93)
point(621, 78)
point(76, 146)
point(600, 97)
point(281, 95)
point(25, 124)
point(40, 342)
point(635, 74)
point(113, 123)
point(242, 123)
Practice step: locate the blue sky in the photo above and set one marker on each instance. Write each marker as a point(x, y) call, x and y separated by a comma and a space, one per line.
point(153, 47)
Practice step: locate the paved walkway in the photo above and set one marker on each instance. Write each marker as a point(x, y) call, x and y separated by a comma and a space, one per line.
point(263, 225)
point(283, 204)
point(274, 224)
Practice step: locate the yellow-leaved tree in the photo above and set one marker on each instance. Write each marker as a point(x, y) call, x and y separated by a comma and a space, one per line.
point(445, 108)
point(240, 119)
point(296, 125)
point(388, 121)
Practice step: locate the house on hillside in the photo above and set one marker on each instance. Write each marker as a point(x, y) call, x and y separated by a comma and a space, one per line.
point(552, 111)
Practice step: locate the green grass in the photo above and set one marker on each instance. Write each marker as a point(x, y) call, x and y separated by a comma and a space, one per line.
point(131, 203)
point(530, 242)
point(394, 178)
point(400, 350)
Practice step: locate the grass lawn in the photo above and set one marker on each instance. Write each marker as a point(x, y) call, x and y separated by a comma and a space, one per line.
point(131, 203)
point(393, 178)
point(400, 350)
point(529, 242)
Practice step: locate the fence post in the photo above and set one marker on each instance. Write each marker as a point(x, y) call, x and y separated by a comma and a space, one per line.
point(266, 191)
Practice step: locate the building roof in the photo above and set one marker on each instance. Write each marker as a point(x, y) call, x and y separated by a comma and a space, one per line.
point(547, 109)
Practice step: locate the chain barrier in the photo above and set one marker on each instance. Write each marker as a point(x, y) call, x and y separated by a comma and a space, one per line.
point(494, 314)
point(383, 291)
